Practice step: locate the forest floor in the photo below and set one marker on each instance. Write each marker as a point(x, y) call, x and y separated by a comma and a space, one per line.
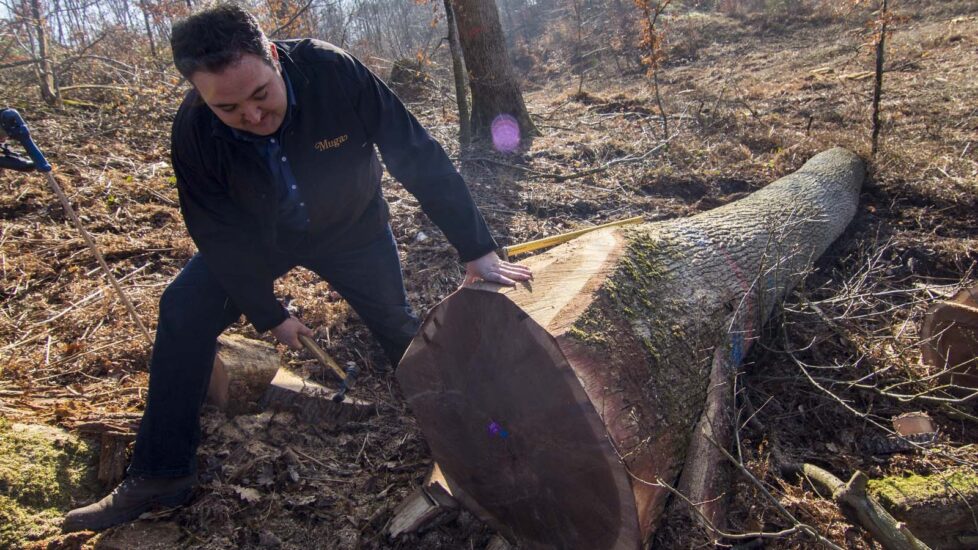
point(751, 102)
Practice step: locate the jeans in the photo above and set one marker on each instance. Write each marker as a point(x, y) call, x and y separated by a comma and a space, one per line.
point(195, 310)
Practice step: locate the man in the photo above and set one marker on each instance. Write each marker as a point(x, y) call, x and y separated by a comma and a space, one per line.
point(273, 151)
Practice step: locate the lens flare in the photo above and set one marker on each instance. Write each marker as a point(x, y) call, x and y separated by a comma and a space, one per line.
point(496, 430)
point(505, 133)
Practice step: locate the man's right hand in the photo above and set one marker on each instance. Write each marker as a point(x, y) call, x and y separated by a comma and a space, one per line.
point(288, 332)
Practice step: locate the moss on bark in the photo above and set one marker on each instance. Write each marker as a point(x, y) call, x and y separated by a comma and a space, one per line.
point(897, 492)
point(42, 469)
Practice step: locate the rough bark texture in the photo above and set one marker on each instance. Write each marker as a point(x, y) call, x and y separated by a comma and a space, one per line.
point(690, 286)
point(941, 509)
point(707, 474)
point(112, 460)
point(621, 330)
point(495, 89)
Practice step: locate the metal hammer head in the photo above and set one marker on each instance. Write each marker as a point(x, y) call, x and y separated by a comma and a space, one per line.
point(351, 377)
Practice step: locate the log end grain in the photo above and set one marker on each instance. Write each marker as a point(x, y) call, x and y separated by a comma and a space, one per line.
point(523, 443)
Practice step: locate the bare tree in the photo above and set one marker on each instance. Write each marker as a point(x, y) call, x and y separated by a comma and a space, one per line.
point(878, 84)
point(43, 67)
point(149, 29)
point(458, 68)
point(652, 42)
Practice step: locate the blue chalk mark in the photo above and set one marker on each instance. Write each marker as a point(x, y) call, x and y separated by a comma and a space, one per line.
point(737, 349)
point(495, 429)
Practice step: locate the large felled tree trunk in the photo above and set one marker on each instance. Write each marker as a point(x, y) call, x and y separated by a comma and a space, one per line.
point(495, 90)
point(554, 409)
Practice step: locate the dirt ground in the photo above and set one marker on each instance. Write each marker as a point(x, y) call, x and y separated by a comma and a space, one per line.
point(751, 100)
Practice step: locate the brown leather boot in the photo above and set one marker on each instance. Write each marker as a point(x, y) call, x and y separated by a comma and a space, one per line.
point(134, 496)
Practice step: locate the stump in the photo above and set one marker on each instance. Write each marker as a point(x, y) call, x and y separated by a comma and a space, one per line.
point(555, 407)
point(940, 508)
point(113, 456)
point(949, 342)
point(243, 369)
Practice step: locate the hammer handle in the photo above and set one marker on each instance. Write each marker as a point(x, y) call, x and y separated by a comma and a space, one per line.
point(322, 356)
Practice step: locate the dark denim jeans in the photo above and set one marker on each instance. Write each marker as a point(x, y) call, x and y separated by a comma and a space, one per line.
point(194, 310)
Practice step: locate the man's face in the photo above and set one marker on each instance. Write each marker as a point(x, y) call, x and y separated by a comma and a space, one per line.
point(247, 95)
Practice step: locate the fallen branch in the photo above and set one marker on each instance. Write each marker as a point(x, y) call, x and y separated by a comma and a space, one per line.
point(861, 508)
point(805, 528)
point(537, 175)
point(705, 521)
point(95, 87)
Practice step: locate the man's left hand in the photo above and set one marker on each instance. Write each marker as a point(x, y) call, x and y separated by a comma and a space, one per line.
point(492, 269)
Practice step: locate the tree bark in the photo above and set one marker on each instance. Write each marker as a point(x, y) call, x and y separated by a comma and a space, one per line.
point(495, 89)
point(556, 407)
point(938, 508)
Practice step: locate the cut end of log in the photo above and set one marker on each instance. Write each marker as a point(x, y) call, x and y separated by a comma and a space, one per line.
point(523, 444)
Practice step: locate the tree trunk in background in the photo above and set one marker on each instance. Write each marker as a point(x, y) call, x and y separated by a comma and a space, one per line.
point(149, 29)
point(458, 68)
point(42, 65)
point(495, 89)
point(878, 82)
point(555, 408)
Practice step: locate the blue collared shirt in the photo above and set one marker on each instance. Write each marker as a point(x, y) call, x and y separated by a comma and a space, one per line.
point(292, 213)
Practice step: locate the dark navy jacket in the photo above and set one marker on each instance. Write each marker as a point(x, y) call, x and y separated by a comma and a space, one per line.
point(228, 195)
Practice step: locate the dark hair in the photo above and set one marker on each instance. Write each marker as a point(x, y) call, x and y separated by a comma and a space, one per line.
point(215, 38)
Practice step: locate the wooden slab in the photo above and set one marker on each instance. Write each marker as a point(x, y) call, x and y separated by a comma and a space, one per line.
point(422, 509)
point(564, 279)
point(312, 402)
point(520, 440)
